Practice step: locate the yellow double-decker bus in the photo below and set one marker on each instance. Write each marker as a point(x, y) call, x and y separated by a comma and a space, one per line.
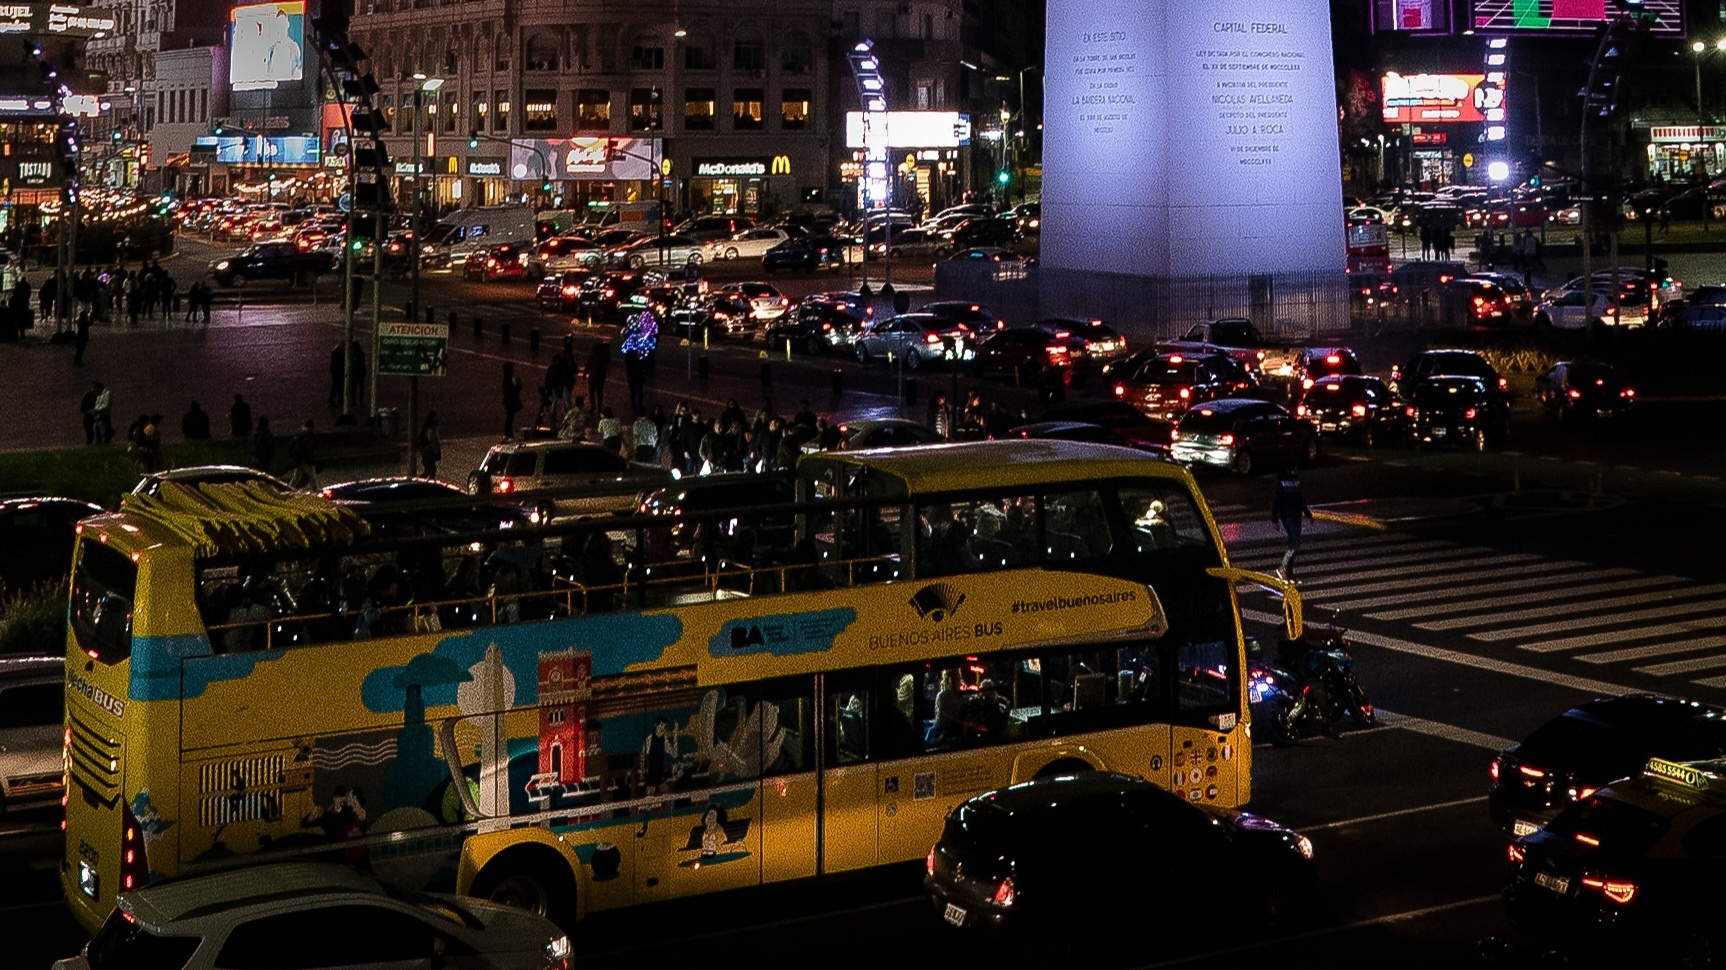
point(584, 716)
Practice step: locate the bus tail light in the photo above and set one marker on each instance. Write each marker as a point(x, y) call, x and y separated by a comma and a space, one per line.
point(1004, 893)
point(134, 867)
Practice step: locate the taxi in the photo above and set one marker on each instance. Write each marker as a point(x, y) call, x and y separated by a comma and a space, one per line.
point(1636, 864)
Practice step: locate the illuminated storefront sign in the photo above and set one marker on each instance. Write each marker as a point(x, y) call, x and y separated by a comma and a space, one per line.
point(730, 168)
point(55, 19)
point(914, 129)
point(251, 150)
point(1441, 98)
point(485, 167)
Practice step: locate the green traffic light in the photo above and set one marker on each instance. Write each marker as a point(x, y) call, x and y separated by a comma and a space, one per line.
point(1004, 177)
point(117, 136)
point(472, 141)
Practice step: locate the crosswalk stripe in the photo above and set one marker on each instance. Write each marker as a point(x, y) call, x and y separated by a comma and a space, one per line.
point(1345, 579)
point(1326, 564)
point(1470, 601)
point(1656, 650)
point(1601, 639)
point(1561, 570)
point(1712, 681)
point(1573, 608)
point(1327, 541)
point(1610, 619)
point(1684, 666)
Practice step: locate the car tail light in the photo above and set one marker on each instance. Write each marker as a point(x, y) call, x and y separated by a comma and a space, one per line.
point(1174, 434)
point(1575, 394)
point(1185, 393)
point(1627, 392)
point(1300, 410)
point(1333, 359)
point(1004, 893)
point(1517, 853)
point(1493, 769)
point(1620, 891)
point(1445, 277)
point(1120, 390)
point(929, 863)
point(1226, 440)
point(1468, 414)
point(1409, 411)
point(826, 326)
point(1306, 384)
point(1359, 410)
point(1530, 771)
point(931, 338)
point(1057, 354)
point(1175, 358)
point(1584, 793)
point(503, 486)
point(569, 291)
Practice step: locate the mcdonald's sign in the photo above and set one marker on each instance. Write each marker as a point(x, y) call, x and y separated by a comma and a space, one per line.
point(781, 165)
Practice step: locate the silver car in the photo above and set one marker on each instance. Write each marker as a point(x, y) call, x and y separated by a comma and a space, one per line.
point(564, 478)
point(647, 251)
point(32, 747)
point(312, 916)
point(916, 339)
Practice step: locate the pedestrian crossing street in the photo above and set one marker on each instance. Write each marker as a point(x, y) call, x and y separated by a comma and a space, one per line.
point(1613, 617)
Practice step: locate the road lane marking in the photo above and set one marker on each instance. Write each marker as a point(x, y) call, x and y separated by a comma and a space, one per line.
point(1560, 574)
point(1683, 666)
point(1471, 594)
point(1607, 619)
point(1439, 729)
point(1402, 917)
point(1588, 606)
point(1619, 636)
point(1435, 557)
point(1657, 650)
point(1349, 579)
point(1364, 819)
point(1585, 684)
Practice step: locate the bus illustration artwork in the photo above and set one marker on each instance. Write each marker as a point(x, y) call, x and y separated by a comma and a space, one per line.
point(811, 703)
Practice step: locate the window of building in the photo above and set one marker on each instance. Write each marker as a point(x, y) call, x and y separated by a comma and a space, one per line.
point(539, 109)
point(698, 56)
point(928, 26)
point(646, 109)
point(797, 55)
point(746, 113)
point(794, 109)
point(644, 58)
point(748, 53)
point(500, 111)
point(542, 53)
point(481, 108)
point(450, 111)
point(698, 109)
point(451, 62)
point(593, 109)
point(387, 112)
point(925, 95)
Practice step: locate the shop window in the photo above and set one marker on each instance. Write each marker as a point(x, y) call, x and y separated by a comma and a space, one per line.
point(646, 109)
point(500, 112)
point(797, 54)
point(794, 109)
point(698, 107)
point(539, 110)
point(748, 53)
point(593, 109)
point(646, 58)
point(746, 113)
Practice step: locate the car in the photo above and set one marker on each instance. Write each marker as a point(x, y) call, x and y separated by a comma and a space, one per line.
point(313, 916)
point(1455, 410)
point(1313, 363)
point(764, 300)
point(151, 484)
point(563, 478)
point(32, 726)
point(1027, 216)
point(1684, 315)
point(1243, 435)
point(716, 315)
point(1577, 310)
point(561, 254)
point(807, 253)
point(974, 317)
point(1352, 406)
point(915, 340)
point(282, 260)
point(901, 241)
point(36, 539)
point(1631, 873)
point(1630, 279)
point(1066, 431)
point(561, 291)
point(982, 231)
point(883, 433)
point(1477, 303)
point(748, 244)
point(1366, 215)
point(985, 254)
point(822, 323)
point(667, 251)
point(1422, 366)
point(1164, 386)
point(1584, 390)
point(611, 239)
point(1424, 276)
point(604, 293)
point(966, 210)
point(1513, 290)
point(755, 495)
point(704, 229)
point(1132, 426)
point(1036, 862)
point(1094, 344)
point(1591, 745)
point(400, 505)
point(1026, 355)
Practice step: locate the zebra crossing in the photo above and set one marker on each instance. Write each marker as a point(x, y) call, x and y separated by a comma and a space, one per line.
point(1654, 624)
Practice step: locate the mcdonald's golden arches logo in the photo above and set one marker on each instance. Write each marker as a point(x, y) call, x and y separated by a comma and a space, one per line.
point(781, 165)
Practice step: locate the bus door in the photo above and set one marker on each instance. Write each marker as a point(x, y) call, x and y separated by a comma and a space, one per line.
point(853, 739)
point(1209, 751)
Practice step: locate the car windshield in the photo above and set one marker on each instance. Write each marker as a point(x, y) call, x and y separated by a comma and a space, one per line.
point(980, 838)
point(1614, 828)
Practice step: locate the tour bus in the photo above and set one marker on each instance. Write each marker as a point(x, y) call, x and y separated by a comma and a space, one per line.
point(590, 715)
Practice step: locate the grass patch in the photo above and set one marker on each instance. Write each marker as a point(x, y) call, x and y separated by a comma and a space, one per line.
point(33, 621)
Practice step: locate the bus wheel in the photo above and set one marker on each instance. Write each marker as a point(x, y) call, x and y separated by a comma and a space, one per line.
point(530, 878)
point(1063, 766)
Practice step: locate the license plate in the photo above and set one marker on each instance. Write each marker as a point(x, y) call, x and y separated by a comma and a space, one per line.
point(1519, 828)
point(1328, 426)
point(1558, 884)
point(954, 915)
point(1439, 432)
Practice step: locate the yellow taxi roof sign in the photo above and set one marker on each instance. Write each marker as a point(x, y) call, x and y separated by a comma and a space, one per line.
point(1686, 775)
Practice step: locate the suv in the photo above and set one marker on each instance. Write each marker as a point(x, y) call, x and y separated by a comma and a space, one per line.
point(32, 749)
point(1164, 386)
point(564, 477)
point(1455, 410)
point(1432, 363)
point(1243, 435)
point(1422, 276)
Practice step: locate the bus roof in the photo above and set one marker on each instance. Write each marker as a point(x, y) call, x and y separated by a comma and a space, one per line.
point(961, 466)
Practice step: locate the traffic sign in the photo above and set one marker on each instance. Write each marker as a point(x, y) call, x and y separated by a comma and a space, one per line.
point(407, 349)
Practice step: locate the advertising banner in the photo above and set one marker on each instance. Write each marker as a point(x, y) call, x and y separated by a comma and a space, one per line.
point(1439, 98)
point(1573, 18)
point(914, 129)
point(268, 45)
point(55, 19)
point(253, 150)
point(582, 158)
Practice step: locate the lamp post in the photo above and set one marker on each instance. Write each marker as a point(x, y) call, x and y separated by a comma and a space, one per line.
point(1024, 126)
point(422, 86)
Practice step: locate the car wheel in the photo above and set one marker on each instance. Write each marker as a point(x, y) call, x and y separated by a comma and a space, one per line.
point(862, 354)
point(236, 279)
point(694, 259)
point(1366, 437)
point(637, 262)
point(731, 252)
point(814, 346)
point(1241, 462)
point(913, 360)
point(1309, 451)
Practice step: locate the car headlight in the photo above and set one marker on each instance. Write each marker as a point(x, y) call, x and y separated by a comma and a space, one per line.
point(222, 265)
point(1303, 845)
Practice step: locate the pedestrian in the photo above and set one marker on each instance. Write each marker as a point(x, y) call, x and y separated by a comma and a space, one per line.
point(634, 370)
point(646, 435)
point(240, 417)
point(429, 445)
point(263, 446)
point(1289, 509)
point(573, 427)
point(598, 362)
point(695, 432)
point(193, 295)
point(87, 412)
point(20, 305)
point(102, 427)
point(1425, 240)
point(81, 337)
point(338, 374)
point(302, 451)
point(195, 423)
point(1665, 218)
point(205, 299)
point(610, 431)
point(356, 373)
point(48, 295)
point(511, 399)
point(144, 441)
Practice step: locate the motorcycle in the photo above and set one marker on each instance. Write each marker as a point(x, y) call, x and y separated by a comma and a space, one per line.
point(1309, 689)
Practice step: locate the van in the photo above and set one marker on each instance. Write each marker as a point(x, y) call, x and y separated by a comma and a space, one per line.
point(478, 227)
point(641, 216)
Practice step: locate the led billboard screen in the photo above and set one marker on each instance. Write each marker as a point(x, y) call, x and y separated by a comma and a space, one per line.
point(914, 129)
point(1441, 98)
point(268, 47)
point(536, 159)
point(1411, 16)
point(1573, 17)
point(251, 150)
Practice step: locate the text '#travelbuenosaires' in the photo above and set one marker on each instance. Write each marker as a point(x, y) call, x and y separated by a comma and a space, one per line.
point(1054, 603)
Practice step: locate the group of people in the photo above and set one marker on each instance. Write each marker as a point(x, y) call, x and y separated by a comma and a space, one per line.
point(1437, 240)
point(692, 444)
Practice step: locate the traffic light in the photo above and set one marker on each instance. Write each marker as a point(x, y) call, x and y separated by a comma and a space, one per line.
point(473, 139)
point(1003, 176)
point(218, 129)
point(1534, 181)
point(117, 136)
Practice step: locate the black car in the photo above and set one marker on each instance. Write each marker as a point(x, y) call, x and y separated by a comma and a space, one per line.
point(603, 293)
point(1591, 745)
point(807, 253)
point(1352, 406)
point(1420, 367)
point(562, 291)
point(1131, 425)
point(272, 261)
point(718, 315)
point(760, 523)
point(1047, 862)
point(984, 231)
point(1025, 355)
point(1093, 343)
point(1243, 435)
point(1067, 431)
point(1630, 875)
point(1316, 362)
point(975, 317)
point(822, 323)
point(36, 539)
point(1164, 386)
point(1581, 390)
point(404, 506)
point(1457, 411)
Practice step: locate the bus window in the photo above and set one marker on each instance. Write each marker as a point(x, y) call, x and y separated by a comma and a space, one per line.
point(976, 534)
point(102, 590)
point(1076, 527)
point(848, 721)
point(1162, 516)
point(1205, 688)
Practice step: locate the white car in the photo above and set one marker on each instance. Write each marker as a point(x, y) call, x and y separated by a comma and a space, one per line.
point(645, 251)
point(1569, 311)
point(766, 303)
point(560, 254)
point(748, 244)
point(313, 916)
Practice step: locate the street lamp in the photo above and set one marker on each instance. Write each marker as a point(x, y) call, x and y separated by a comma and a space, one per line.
point(1699, 49)
point(422, 86)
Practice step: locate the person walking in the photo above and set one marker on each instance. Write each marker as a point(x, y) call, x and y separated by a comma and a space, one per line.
point(240, 418)
point(511, 399)
point(101, 411)
point(429, 445)
point(81, 337)
point(87, 412)
point(1289, 509)
point(598, 362)
point(646, 434)
point(195, 423)
point(635, 371)
point(263, 446)
point(302, 451)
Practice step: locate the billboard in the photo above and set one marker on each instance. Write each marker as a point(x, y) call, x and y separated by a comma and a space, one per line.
point(1441, 99)
point(914, 129)
point(1411, 16)
point(268, 45)
point(51, 19)
point(251, 150)
point(601, 158)
point(1571, 17)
